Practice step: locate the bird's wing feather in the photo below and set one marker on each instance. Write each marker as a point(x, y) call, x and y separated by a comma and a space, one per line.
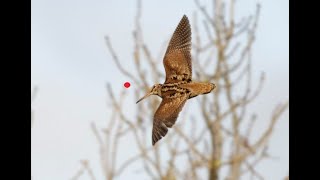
point(177, 59)
point(167, 114)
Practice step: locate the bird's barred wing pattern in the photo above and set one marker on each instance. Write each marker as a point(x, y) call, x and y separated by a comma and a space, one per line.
point(177, 60)
point(167, 114)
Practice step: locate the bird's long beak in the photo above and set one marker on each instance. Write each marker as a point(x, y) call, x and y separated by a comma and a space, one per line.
point(147, 95)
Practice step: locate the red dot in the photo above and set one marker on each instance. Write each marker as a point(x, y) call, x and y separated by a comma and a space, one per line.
point(126, 84)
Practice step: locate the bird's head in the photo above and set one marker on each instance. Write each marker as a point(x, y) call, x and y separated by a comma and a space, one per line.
point(155, 90)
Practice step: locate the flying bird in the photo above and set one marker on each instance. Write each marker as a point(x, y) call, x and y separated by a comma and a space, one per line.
point(178, 86)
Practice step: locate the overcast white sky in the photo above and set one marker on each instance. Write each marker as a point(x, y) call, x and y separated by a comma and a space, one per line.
point(71, 65)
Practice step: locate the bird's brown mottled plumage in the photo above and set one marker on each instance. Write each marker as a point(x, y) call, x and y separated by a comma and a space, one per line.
point(178, 86)
point(167, 114)
point(177, 59)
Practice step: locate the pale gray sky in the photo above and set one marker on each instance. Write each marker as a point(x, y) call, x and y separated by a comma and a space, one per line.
point(71, 65)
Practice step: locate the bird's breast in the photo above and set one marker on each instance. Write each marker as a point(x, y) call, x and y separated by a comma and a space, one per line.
point(174, 87)
point(173, 91)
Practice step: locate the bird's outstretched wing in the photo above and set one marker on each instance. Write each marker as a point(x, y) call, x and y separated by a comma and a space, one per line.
point(177, 60)
point(167, 114)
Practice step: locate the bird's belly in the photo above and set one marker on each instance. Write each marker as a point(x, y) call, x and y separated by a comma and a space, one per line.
point(196, 88)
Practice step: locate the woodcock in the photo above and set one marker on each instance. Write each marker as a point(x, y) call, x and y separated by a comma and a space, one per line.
point(178, 86)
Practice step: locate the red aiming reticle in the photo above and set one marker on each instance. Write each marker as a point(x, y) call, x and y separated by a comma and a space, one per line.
point(126, 84)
